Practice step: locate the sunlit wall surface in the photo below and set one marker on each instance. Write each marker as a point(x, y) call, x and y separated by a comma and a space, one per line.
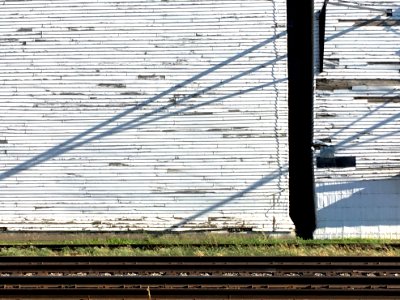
point(357, 119)
point(143, 115)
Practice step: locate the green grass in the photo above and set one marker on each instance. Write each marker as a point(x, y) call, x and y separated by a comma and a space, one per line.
point(273, 250)
point(180, 245)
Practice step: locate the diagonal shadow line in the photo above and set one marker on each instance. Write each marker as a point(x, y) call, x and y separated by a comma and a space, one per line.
point(375, 138)
point(276, 174)
point(326, 188)
point(265, 179)
point(352, 28)
point(252, 89)
point(343, 32)
point(366, 115)
point(376, 109)
point(354, 5)
point(126, 125)
point(70, 143)
point(342, 143)
point(373, 127)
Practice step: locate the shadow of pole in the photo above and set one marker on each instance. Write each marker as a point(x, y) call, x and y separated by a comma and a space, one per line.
point(77, 141)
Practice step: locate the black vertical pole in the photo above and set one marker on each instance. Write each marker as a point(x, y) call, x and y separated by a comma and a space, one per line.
point(300, 16)
point(321, 26)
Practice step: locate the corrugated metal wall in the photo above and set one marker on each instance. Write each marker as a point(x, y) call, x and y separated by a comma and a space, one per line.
point(138, 114)
point(357, 112)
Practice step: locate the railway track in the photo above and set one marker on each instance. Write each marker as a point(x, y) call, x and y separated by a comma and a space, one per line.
point(199, 277)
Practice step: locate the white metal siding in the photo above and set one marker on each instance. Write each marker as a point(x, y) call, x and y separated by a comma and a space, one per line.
point(357, 110)
point(143, 115)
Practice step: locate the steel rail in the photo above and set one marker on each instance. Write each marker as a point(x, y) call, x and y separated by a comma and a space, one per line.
point(147, 293)
point(198, 286)
point(199, 277)
point(214, 265)
point(201, 259)
point(200, 280)
point(202, 268)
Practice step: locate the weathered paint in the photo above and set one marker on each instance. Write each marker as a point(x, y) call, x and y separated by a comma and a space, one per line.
point(357, 112)
point(143, 115)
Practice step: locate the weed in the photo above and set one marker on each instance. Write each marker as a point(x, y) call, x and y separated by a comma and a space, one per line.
point(213, 245)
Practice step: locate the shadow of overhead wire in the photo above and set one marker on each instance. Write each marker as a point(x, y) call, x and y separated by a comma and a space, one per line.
point(373, 127)
point(364, 116)
point(129, 124)
point(265, 179)
point(345, 142)
point(84, 137)
point(277, 174)
point(371, 200)
point(369, 129)
point(350, 29)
